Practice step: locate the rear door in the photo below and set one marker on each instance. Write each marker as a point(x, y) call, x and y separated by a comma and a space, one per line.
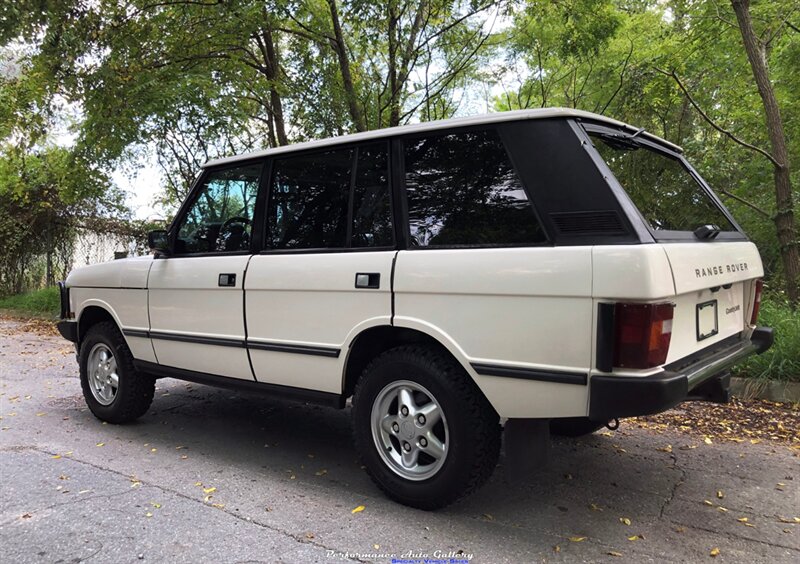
point(195, 295)
point(325, 273)
point(713, 264)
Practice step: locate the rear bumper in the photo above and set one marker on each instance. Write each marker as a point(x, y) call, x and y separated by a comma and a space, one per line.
point(630, 396)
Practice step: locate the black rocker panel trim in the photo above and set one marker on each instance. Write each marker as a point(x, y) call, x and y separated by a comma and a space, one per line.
point(576, 378)
point(136, 333)
point(222, 342)
point(297, 349)
point(287, 392)
point(330, 352)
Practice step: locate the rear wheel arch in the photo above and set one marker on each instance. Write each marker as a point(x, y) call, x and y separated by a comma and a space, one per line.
point(372, 342)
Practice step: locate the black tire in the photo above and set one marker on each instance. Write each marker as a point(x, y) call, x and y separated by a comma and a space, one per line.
point(134, 392)
point(574, 426)
point(473, 439)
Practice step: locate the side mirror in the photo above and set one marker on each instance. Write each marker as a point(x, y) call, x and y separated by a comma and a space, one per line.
point(158, 242)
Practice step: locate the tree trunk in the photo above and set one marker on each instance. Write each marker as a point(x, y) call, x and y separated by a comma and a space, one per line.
point(273, 75)
point(784, 218)
point(344, 66)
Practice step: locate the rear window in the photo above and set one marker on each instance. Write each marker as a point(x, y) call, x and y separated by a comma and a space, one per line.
point(667, 195)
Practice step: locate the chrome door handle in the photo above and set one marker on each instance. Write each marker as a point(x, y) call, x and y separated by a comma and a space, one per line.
point(227, 280)
point(368, 280)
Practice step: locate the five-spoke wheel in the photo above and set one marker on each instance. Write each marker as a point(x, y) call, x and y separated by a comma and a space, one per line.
point(102, 374)
point(409, 430)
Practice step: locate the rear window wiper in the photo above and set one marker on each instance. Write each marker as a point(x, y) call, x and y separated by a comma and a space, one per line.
point(707, 232)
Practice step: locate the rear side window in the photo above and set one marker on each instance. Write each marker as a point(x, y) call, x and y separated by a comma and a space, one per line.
point(335, 199)
point(662, 188)
point(463, 191)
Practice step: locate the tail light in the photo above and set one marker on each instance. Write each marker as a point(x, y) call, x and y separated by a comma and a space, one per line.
point(756, 301)
point(641, 334)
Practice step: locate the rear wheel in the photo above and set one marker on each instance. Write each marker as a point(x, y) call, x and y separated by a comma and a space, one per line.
point(112, 387)
point(426, 434)
point(574, 426)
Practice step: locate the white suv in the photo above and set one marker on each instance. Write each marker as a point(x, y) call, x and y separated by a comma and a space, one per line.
point(543, 264)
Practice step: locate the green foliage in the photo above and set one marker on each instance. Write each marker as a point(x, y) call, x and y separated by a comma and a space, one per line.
point(46, 302)
point(782, 361)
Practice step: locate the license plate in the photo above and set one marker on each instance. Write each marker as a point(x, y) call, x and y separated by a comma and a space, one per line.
point(707, 325)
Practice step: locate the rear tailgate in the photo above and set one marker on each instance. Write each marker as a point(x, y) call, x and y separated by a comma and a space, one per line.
point(714, 287)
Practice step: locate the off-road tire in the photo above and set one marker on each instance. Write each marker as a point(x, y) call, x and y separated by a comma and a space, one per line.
point(135, 391)
point(474, 431)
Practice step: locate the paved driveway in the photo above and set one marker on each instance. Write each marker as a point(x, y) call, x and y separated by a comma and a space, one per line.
point(213, 475)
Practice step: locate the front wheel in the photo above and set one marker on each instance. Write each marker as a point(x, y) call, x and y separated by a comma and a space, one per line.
point(426, 434)
point(113, 389)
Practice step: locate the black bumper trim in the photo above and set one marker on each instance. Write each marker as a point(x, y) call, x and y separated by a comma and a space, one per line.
point(68, 330)
point(763, 338)
point(706, 376)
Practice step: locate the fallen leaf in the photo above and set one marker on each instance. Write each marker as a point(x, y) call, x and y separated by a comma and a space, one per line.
point(556, 548)
point(56, 456)
point(156, 505)
point(198, 483)
point(749, 525)
point(614, 553)
point(26, 515)
point(40, 414)
point(714, 552)
point(321, 472)
point(720, 508)
point(153, 450)
point(309, 536)
point(633, 538)
point(706, 502)
point(100, 444)
point(148, 514)
point(720, 494)
point(207, 498)
point(184, 457)
point(595, 507)
point(488, 517)
point(209, 490)
point(707, 440)
point(667, 448)
point(742, 519)
point(218, 505)
point(358, 509)
point(577, 539)
point(625, 521)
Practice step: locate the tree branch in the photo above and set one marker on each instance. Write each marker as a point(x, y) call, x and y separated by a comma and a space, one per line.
point(713, 124)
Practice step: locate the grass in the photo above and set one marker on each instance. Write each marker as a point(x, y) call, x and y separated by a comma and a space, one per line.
point(782, 361)
point(40, 303)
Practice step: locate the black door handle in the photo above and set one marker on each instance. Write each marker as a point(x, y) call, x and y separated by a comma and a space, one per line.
point(227, 280)
point(371, 280)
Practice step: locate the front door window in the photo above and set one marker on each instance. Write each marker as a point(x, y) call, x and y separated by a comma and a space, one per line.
point(220, 218)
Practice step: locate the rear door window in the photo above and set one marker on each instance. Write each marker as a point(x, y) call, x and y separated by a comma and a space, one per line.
point(462, 190)
point(333, 199)
point(666, 193)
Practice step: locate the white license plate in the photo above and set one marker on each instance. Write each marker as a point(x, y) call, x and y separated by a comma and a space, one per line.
point(707, 325)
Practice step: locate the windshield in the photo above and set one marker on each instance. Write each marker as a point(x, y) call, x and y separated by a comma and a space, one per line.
point(667, 195)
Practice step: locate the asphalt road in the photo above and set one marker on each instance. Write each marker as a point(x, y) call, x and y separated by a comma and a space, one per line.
point(214, 476)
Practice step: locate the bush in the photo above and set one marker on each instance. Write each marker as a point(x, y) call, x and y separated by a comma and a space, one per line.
point(782, 361)
point(45, 302)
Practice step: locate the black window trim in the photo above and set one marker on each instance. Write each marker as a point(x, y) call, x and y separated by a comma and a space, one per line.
point(403, 194)
point(637, 219)
point(194, 192)
point(264, 249)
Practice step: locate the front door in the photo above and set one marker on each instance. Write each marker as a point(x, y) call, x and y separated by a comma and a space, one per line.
point(195, 295)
